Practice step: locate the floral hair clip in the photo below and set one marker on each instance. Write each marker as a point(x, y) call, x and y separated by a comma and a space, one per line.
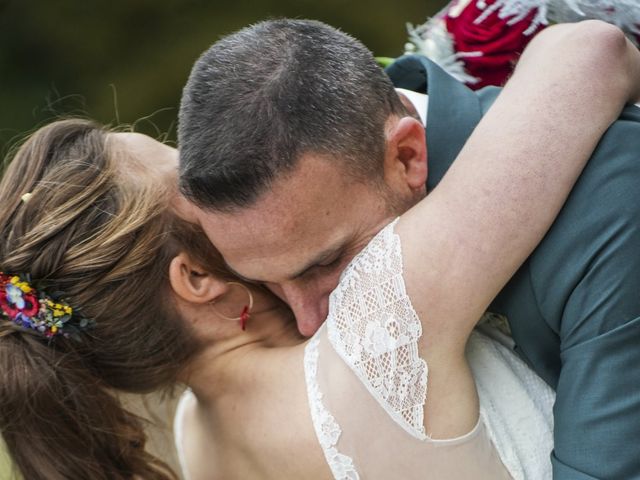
point(33, 309)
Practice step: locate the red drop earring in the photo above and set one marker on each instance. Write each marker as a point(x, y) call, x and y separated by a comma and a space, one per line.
point(245, 314)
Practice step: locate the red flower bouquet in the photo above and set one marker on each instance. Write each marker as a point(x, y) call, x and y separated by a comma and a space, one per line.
point(499, 39)
point(479, 41)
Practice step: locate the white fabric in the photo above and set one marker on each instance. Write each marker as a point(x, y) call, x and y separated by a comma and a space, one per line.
point(517, 408)
point(373, 327)
point(420, 102)
point(364, 374)
point(326, 427)
point(178, 430)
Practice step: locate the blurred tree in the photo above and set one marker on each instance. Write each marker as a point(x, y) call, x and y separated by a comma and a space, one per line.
point(126, 61)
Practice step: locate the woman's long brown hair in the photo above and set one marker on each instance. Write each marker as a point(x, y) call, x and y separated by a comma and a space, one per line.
point(104, 239)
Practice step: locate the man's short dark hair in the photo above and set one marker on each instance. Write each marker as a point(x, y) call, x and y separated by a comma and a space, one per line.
point(259, 99)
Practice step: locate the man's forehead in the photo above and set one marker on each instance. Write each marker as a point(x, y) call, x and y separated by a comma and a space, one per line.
point(298, 217)
point(313, 209)
point(314, 189)
point(260, 228)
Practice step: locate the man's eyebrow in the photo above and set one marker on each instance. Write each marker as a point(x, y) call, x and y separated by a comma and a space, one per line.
point(323, 255)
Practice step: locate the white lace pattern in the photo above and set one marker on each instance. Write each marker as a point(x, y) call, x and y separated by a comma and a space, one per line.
point(375, 330)
point(327, 429)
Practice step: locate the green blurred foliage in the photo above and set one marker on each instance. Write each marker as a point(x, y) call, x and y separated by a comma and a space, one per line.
point(125, 61)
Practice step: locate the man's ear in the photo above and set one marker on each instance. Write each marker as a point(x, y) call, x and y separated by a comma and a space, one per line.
point(406, 154)
point(192, 283)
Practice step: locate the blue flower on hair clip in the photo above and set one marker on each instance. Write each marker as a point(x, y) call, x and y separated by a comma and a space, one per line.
point(14, 295)
point(23, 320)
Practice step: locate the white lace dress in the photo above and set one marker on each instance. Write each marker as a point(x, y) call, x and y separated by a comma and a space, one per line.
point(367, 388)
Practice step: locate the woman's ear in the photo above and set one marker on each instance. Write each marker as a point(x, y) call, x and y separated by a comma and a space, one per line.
point(192, 283)
point(406, 154)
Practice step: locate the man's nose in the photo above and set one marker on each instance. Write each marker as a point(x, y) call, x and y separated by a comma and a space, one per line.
point(309, 309)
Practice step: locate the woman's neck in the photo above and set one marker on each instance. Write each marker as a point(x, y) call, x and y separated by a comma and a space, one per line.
point(225, 364)
point(246, 388)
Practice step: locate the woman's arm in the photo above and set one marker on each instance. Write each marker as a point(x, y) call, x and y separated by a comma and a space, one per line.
point(467, 238)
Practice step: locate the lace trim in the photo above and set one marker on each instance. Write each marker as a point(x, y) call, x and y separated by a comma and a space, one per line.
point(327, 429)
point(374, 328)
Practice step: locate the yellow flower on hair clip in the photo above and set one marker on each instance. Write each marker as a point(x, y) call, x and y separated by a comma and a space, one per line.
point(59, 309)
point(24, 286)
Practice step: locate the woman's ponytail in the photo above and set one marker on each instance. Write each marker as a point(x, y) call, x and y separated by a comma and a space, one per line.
point(102, 239)
point(60, 423)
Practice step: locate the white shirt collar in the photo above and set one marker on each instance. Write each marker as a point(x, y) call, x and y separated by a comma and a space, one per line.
point(419, 100)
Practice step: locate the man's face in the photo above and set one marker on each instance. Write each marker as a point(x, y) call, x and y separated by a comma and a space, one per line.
point(300, 235)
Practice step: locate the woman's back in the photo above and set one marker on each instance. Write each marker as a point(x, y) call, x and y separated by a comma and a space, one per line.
point(261, 428)
point(366, 389)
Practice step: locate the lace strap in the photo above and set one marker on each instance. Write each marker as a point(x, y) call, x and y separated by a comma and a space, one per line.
point(327, 429)
point(375, 330)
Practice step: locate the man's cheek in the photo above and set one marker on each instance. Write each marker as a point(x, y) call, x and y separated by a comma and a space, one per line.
point(334, 279)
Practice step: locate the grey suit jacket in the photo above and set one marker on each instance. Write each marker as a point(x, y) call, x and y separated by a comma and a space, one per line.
point(574, 306)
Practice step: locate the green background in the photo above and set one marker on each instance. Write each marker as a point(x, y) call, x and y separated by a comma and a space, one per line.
point(126, 61)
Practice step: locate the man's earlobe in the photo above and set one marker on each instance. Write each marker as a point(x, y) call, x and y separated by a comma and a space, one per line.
point(192, 283)
point(406, 153)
